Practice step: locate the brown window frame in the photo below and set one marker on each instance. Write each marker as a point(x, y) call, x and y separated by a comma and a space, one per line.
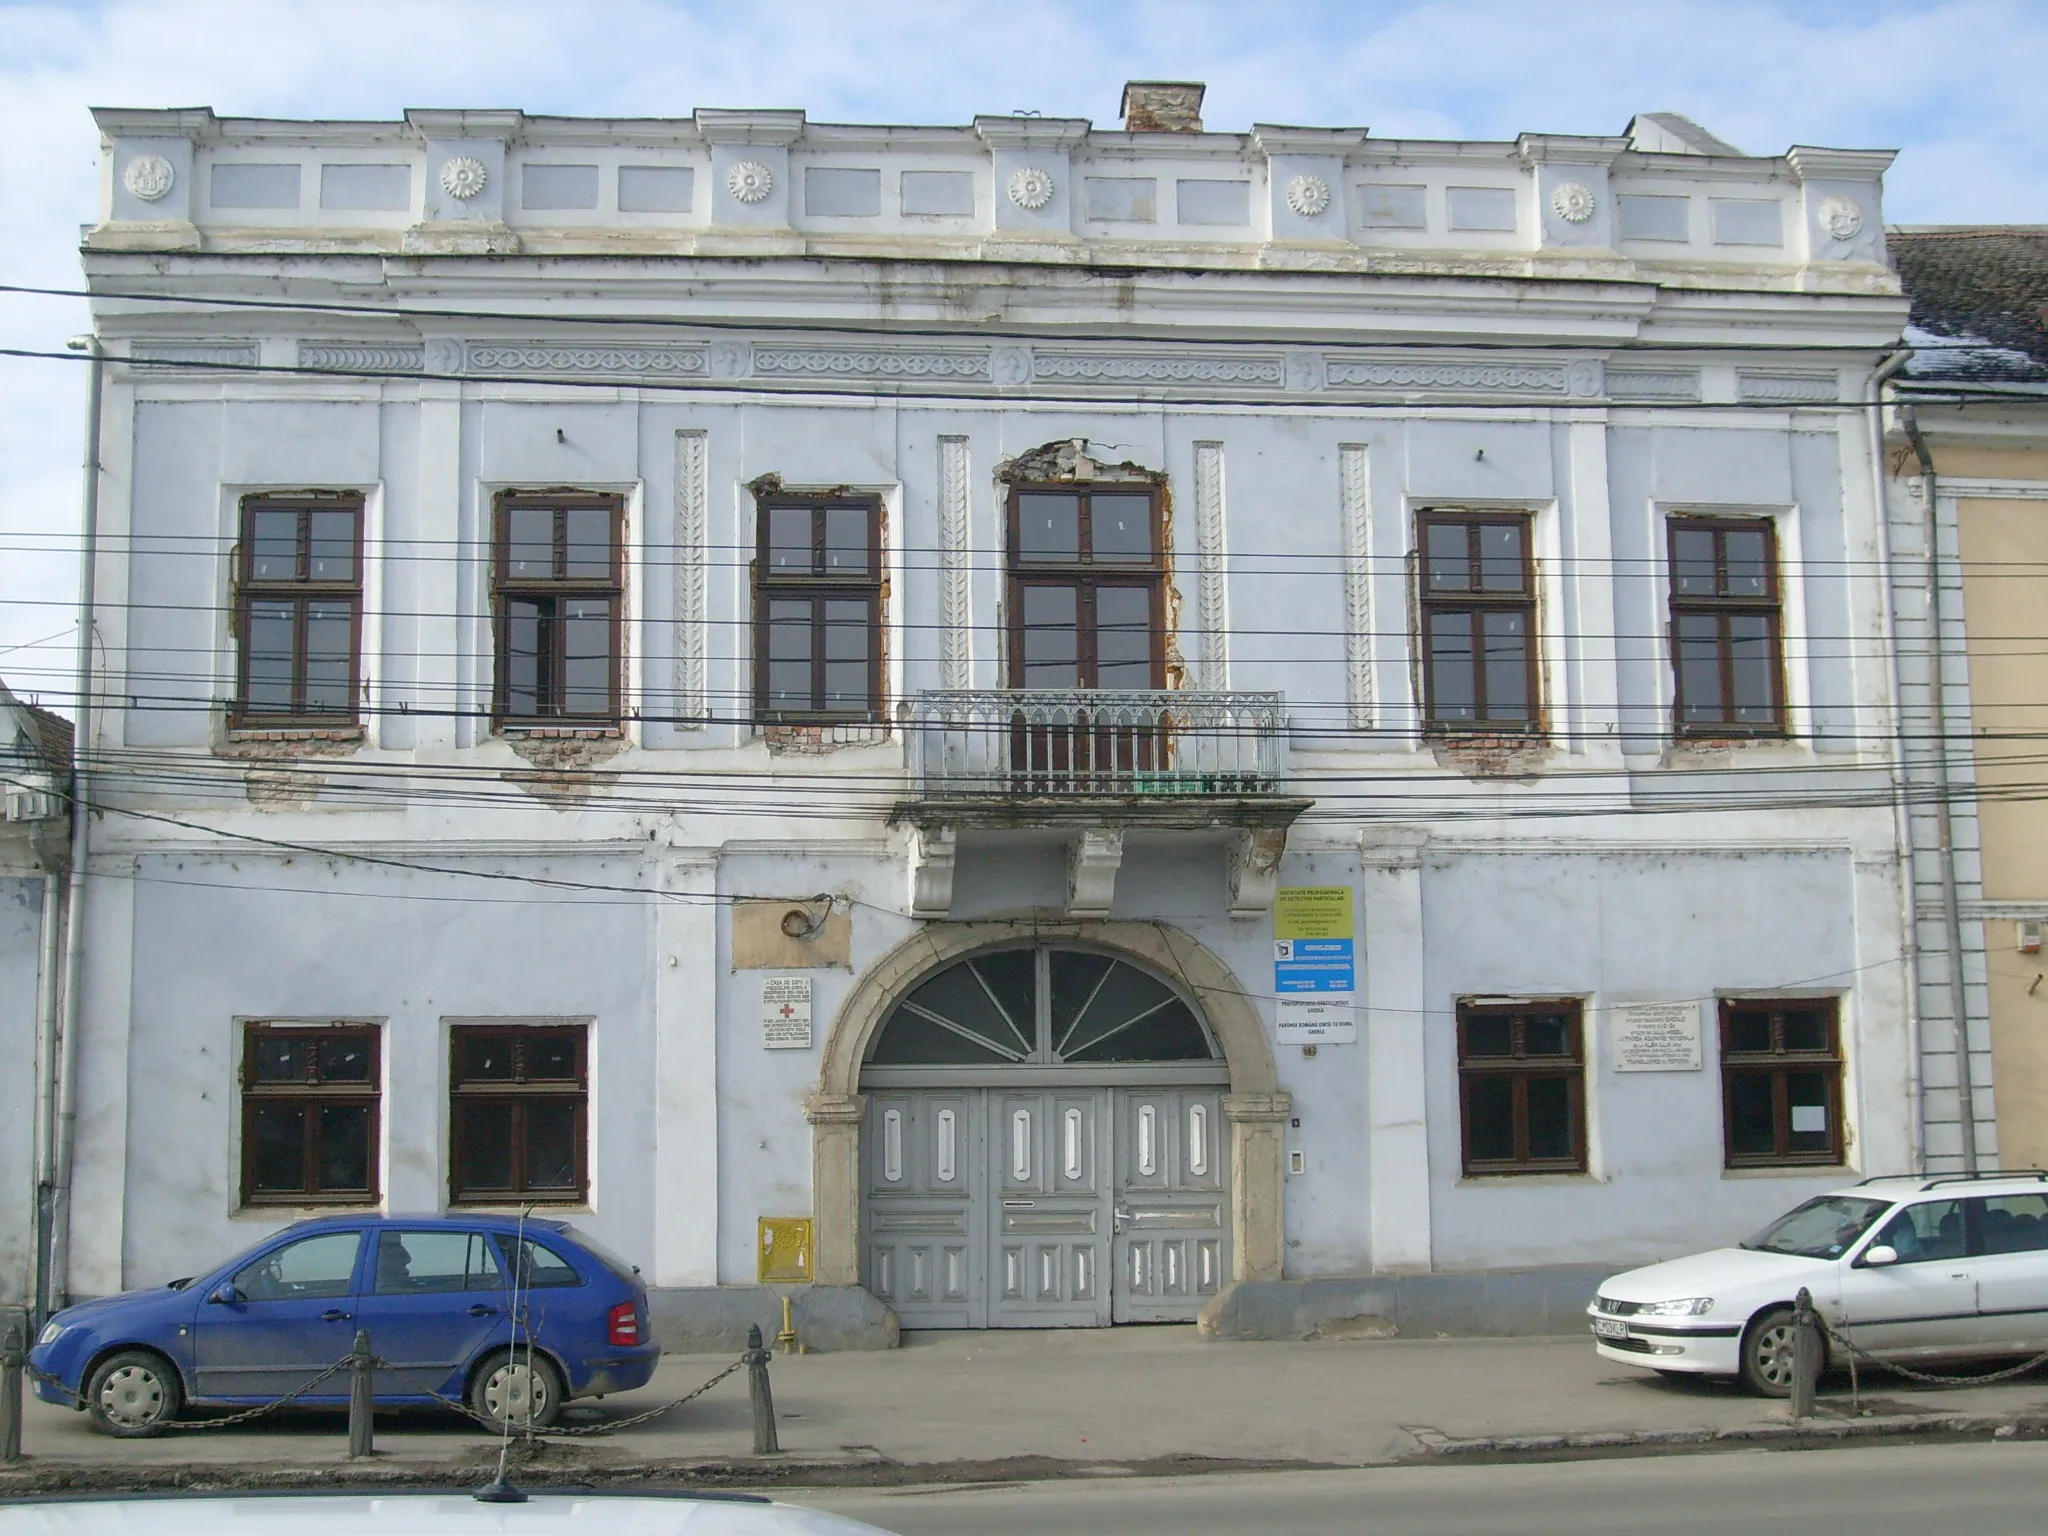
point(1475, 600)
point(313, 1094)
point(1777, 1064)
point(520, 1093)
point(1520, 1068)
point(1086, 579)
point(1720, 607)
point(818, 586)
point(304, 592)
point(558, 587)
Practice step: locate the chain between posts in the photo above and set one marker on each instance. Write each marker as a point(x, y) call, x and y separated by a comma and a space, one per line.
point(1928, 1378)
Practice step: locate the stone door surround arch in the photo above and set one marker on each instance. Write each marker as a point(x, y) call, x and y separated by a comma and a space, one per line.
point(1255, 1107)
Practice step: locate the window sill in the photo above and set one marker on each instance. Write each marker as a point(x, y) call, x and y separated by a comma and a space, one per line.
point(1546, 1179)
point(516, 732)
point(546, 1209)
point(296, 733)
point(1790, 1171)
point(305, 1210)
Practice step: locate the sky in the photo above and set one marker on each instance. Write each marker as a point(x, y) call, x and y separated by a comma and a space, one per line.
point(1952, 84)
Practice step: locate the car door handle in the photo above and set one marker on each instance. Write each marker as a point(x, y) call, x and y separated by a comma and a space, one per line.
point(480, 1310)
point(334, 1315)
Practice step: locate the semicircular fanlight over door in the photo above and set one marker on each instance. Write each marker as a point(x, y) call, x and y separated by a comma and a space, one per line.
point(1037, 1005)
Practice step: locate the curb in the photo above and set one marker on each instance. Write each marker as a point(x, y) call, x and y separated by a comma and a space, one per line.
point(1819, 1430)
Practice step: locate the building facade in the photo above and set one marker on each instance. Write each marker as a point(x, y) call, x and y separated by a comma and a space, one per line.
point(1125, 722)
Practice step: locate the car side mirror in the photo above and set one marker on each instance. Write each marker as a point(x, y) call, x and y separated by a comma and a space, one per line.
point(1879, 1254)
point(225, 1293)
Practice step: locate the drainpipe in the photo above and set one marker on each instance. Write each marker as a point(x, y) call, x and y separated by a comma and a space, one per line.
point(46, 1086)
point(1937, 706)
point(81, 833)
point(1887, 369)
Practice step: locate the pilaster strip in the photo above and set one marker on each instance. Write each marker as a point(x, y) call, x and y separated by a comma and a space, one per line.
point(1355, 495)
point(692, 532)
point(955, 655)
point(1214, 599)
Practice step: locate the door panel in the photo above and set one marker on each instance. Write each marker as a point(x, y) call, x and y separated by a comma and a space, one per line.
point(434, 1300)
point(1172, 1207)
point(2012, 1272)
point(1049, 1209)
point(293, 1316)
point(926, 1206)
point(1926, 1303)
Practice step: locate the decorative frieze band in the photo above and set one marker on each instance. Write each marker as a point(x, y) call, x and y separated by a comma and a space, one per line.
point(1492, 378)
point(538, 357)
point(1266, 369)
point(1653, 384)
point(369, 359)
point(165, 354)
point(869, 363)
point(1814, 388)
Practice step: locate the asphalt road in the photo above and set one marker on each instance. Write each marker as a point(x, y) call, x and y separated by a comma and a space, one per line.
point(1982, 1489)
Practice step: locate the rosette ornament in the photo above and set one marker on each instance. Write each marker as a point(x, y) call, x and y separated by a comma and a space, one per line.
point(749, 181)
point(1031, 188)
point(1308, 195)
point(464, 177)
point(149, 177)
point(1574, 202)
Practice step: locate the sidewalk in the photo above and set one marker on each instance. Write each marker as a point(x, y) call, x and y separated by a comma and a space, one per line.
point(1128, 1395)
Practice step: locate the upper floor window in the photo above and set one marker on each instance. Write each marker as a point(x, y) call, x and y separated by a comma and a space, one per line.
point(557, 589)
point(1087, 588)
point(298, 610)
point(1725, 626)
point(818, 609)
point(1478, 613)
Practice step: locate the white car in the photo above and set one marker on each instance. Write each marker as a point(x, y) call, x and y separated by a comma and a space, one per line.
point(1908, 1269)
point(542, 1513)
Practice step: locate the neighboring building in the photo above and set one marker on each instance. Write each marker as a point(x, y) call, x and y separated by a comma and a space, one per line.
point(1974, 398)
point(35, 811)
point(1022, 597)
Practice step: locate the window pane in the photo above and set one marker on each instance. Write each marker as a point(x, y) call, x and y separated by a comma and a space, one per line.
point(590, 541)
point(587, 656)
point(345, 1060)
point(790, 541)
point(1806, 1099)
point(1806, 1029)
point(1121, 527)
point(551, 1144)
point(551, 1058)
point(1748, 572)
point(1168, 1033)
point(330, 654)
point(274, 546)
point(1125, 995)
point(789, 654)
point(343, 1156)
point(1448, 558)
point(1507, 665)
point(1692, 562)
point(1749, 649)
point(1749, 1030)
point(409, 1263)
point(1546, 1034)
point(1049, 638)
point(1750, 1132)
point(525, 625)
point(1500, 557)
point(1453, 679)
point(283, 1058)
point(530, 543)
point(1075, 977)
point(1550, 1119)
point(484, 1058)
point(542, 1267)
point(1490, 1119)
point(331, 553)
point(485, 1272)
point(1048, 526)
point(271, 638)
point(2015, 1223)
point(1489, 1034)
point(313, 1268)
point(1926, 1232)
point(484, 1132)
point(1123, 637)
point(846, 656)
point(1699, 669)
point(846, 540)
point(278, 1135)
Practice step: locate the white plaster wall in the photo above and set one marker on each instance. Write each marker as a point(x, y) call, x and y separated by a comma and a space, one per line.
point(21, 907)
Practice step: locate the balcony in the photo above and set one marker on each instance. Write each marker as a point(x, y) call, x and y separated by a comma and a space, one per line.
point(1089, 765)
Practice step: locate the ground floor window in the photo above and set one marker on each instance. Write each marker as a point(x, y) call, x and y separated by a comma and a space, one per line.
point(1521, 1086)
point(309, 1114)
point(1781, 1081)
point(518, 1113)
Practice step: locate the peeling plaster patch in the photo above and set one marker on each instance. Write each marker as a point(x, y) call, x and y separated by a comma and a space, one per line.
point(1493, 757)
point(561, 775)
point(282, 789)
point(818, 740)
point(1068, 461)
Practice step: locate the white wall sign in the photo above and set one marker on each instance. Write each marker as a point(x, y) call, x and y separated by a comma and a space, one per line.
point(1657, 1037)
point(786, 1013)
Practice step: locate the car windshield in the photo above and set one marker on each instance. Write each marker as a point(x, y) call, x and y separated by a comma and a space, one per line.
point(1822, 1228)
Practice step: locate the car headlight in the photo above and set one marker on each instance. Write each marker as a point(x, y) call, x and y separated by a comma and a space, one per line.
point(51, 1333)
point(1690, 1306)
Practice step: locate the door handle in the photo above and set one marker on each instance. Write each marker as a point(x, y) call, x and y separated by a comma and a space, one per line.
point(334, 1315)
point(1120, 1217)
point(480, 1310)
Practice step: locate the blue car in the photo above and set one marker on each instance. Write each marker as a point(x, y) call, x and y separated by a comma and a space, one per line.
point(444, 1299)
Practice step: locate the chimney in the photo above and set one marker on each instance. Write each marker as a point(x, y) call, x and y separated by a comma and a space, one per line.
point(1163, 106)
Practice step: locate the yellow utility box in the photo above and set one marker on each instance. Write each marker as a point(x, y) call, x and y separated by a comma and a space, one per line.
point(784, 1250)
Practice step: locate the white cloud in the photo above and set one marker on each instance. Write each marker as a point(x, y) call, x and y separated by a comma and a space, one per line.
point(1954, 85)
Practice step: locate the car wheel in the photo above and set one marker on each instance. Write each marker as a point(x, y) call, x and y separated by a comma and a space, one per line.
point(133, 1395)
point(1767, 1353)
point(517, 1388)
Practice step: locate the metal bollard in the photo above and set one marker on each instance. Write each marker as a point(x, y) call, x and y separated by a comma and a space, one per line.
point(765, 1443)
point(1805, 1354)
point(10, 1395)
point(362, 1417)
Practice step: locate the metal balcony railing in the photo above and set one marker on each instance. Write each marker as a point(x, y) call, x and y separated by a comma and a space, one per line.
point(995, 743)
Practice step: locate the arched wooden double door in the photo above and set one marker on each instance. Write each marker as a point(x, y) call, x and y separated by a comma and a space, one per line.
point(1044, 1146)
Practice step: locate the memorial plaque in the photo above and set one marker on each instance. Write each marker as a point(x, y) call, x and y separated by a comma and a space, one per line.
point(1657, 1037)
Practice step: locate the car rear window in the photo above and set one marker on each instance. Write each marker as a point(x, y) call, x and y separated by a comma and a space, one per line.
point(598, 1251)
point(542, 1266)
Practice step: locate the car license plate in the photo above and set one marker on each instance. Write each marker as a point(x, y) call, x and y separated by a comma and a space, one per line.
point(1609, 1328)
